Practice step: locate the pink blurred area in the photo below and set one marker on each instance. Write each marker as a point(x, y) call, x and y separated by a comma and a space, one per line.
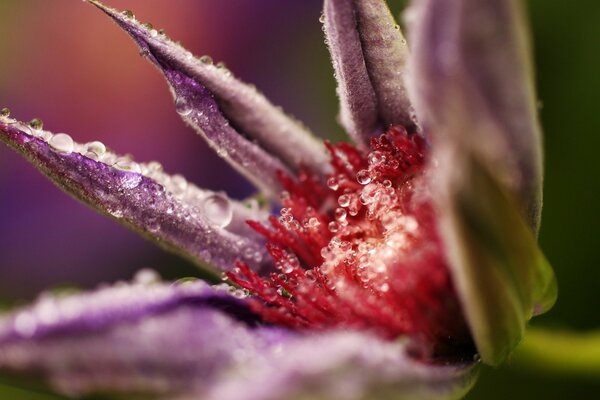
point(64, 62)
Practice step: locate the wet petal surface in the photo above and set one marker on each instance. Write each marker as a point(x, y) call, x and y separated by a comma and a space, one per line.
point(256, 137)
point(203, 226)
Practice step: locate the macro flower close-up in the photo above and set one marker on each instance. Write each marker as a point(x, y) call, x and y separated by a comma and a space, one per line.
point(395, 263)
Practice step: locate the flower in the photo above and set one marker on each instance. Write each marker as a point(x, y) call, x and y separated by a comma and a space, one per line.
point(394, 261)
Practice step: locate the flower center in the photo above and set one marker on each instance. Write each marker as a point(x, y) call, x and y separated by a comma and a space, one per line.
point(362, 252)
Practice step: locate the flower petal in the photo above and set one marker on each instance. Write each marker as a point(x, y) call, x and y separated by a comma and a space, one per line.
point(190, 340)
point(203, 226)
point(369, 54)
point(238, 121)
point(344, 366)
point(502, 277)
point(473, 85)
point(129, 339)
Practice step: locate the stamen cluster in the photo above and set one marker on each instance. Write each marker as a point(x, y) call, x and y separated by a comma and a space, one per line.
point(361, 251)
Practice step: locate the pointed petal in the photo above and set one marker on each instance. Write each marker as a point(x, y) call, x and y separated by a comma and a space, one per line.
point(203, 226)
point(502, 277)
point(344, 366)
point(473, 85)
point(231, 115)
point(369, 55)
point(144, 338)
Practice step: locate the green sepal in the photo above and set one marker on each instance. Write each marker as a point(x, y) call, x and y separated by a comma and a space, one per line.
point(502, 277)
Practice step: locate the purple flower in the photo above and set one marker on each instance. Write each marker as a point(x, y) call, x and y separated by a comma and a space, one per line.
point(395, 263)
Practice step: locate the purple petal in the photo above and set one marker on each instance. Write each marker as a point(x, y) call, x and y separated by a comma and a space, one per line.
point(344, 366)
point(195, 341)
point(239, 122)
point(141, 338)
point(473, 86)
point(204, 226)
point(369, 55)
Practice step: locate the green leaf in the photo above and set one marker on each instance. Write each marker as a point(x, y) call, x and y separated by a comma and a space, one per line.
point(502, 277)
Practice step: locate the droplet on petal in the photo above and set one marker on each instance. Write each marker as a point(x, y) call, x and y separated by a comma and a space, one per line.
point(96, 147)
point(217, 209)
point(182, 106)
point(5, 112)
point(363, 177)
point(128, 14)
point(36, 124)
point(61, 143)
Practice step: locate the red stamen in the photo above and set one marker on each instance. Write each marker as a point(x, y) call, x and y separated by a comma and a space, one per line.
point(362, 252)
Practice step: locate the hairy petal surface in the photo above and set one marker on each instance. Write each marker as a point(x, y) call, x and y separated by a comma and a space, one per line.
point(191, 340)
point(369, 55)
point(345, 366)
point(142, 338)
point(256, 137)
point(473, 86)
point(203, 226)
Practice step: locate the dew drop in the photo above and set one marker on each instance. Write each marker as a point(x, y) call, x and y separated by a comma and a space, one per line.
point(61, 143)
point(161, 32)
point(340, 214)
point(148, 25)
point(333, 183)
point(5, 112)
point(153, 33)
point(128, 14)
point(98, 148)
point(344, 200)
point(217, 209)
point(146, 277)
point(206, 60)
point(333, 227)
point(182, 106)
point(129, 166)
point(36, 124)
point(363, 177)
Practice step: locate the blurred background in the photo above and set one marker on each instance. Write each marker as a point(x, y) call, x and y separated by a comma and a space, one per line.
point(66, 63)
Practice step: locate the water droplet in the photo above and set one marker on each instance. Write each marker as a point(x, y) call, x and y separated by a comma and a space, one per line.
point(333, 183)
point(98, 148)
point(25, 324)
point(363, 177)
point(344, 200)
point(322, 18)
point(146, 277)
point(148, 25)
point(36, 124)
point(5, 112)
point(217, 209)
point(222, 152)
point(376, 158)
point(333, 227)
point(129, 166)
point(182, 106)
point(221, 65)
point(62, 143)
point(153, 33)
point(340, 214)
point(206, 60)
point(128, 14)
